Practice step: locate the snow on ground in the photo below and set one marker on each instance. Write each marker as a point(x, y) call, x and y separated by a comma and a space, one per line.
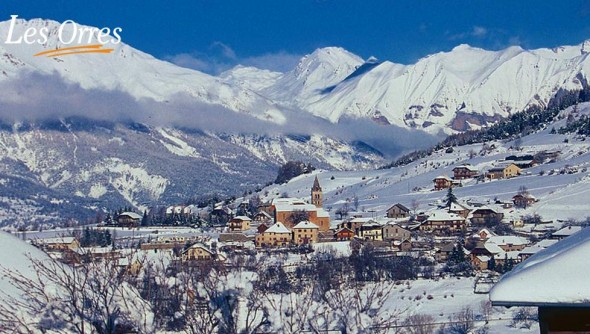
point(14, 257)
point(442, 298)
point(561, 195)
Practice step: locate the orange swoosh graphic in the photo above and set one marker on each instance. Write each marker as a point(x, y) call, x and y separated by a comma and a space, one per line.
point(72, 50)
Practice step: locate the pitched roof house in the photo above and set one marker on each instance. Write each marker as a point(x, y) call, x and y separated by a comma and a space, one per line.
point(398, 211)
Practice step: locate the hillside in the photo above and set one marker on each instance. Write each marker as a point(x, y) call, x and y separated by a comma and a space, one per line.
point(561, 186)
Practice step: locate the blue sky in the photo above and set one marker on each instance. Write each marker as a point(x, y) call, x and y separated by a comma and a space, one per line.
point(214, 35)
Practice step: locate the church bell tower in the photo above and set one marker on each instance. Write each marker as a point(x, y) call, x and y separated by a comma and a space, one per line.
point(316, 193)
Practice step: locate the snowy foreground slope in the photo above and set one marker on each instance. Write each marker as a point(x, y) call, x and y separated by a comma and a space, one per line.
point(562, 189)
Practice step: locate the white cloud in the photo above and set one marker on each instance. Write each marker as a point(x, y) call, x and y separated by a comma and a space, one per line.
point(476, 31)
point(221, 57)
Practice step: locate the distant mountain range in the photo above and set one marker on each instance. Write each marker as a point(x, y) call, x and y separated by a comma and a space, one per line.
point(84, 132)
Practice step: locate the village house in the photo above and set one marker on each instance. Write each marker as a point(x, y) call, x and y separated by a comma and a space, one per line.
point(402, 245)
point(392, 231)
point(398, 211)
point(442, 222)
point(484, 215)
point(197, 252)
point(57, 243)
point(566, 232)
point(239, 223)
point(459, 209)
point(262, 217)
point(442, 182)
point(443, 251)
point(275, 236)
point(503, 171)
point(508, 243)
point(523, 200)
point(371, 231)
point(524, 161)
point(465, 172)
point(305, 233)
point(129, 219)
point(484, 234)
point(343, 234)
point(355, 224)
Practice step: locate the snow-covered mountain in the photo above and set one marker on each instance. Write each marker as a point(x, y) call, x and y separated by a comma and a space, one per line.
point(127, 70)
point(166, 133)
point(449, 91)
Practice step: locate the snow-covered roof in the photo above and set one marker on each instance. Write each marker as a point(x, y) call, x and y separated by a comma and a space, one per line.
point(56, 240)
point(513, 255)
point(557, 275)
point(199, 245)
point(486, 231)
point(305, 224)
point(493, 248)
point(243, 218)
point(131, 215)
point(443, 216)
point(277, 227)
point(293, 204)
point(458, 207)
point(443, 177)
point(507, 239)
point(567, 231)
point(468, 167)
point(362, 220)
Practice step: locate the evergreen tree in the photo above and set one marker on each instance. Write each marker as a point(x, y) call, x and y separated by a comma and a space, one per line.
point(492, 263)
point(144, 219)
point(450, 198)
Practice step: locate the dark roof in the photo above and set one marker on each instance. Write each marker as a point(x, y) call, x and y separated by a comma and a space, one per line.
point(316, 185)
point(401, 206)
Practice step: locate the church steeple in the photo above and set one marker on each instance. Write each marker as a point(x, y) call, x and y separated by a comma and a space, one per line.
point(316, 193)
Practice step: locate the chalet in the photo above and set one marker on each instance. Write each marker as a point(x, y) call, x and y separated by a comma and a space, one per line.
point(234, 240)
point(443, 251)
point(129, 219)
point(402, 245)
point(465, 172)
point(442, 182)
point(503, 171)
point(459, 209)
point(343, 234)
point(197, 252)
point(395, 232)
point(524, 161)
point(355, 224)
point(484, 215)
point(566, 232)
point(57, 243)
point(180, 210)
point(305, 233)
point(275, 236)
point(262, 217)
point(484, 234)
point(523, 200)
point(556, 281)
point(398, 211)
point(288, 210)
point(239, 223)
point(97, 253)
point(370, 231)
point(508, 243)
point(442, 222)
